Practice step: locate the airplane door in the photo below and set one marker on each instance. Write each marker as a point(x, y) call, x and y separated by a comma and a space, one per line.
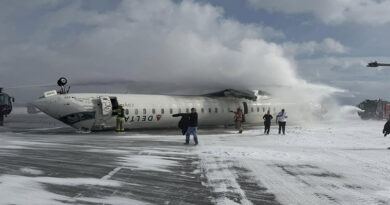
point(245, 107)
point(106, 106)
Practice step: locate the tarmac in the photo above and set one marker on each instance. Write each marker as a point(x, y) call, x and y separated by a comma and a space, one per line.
point(136, 167)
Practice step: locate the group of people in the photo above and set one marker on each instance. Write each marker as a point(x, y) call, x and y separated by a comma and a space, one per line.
point(281, 119)
point(189, 123)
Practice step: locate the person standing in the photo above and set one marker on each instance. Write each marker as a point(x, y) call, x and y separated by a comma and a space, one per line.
point(183, 123)
point(281, 118)
point(1, 118)
point(267, 122)
point(238, 117)
point(191, 120)
point(120, 119)
point(386, 128)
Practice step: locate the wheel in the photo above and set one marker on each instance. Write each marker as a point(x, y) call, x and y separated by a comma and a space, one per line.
point(62, 81)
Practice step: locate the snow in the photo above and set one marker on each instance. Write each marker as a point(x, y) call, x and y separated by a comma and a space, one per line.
point(27, 170)
point(113, 200)
point(30, 190)
point(346, 163)
point(147, 162)
point(331, 162)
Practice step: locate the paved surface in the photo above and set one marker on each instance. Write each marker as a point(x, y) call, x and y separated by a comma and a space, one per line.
point(57, 165)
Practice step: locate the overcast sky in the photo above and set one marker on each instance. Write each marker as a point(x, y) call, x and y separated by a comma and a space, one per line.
point(314, 46)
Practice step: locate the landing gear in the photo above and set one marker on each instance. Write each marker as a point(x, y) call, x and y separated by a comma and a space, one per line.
point(62, 82)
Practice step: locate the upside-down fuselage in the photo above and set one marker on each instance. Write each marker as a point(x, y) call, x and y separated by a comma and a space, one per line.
point(97, 111)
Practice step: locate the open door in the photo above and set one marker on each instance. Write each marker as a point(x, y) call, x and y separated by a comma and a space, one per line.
point(115, 105)
point(245, 107)
point(106, 106)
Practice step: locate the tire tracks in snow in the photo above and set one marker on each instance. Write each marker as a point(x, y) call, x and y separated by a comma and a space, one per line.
point(232, 184)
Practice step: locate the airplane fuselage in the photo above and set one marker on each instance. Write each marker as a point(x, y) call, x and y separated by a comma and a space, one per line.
point(93, 111)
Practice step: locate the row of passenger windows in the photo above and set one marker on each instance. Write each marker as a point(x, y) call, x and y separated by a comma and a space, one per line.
point(187, 110)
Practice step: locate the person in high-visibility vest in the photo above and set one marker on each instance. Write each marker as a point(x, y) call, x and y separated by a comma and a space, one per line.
point(238, 117)
point(120, 119)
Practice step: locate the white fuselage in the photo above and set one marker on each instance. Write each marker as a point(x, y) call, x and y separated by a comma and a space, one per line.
point(95, 111)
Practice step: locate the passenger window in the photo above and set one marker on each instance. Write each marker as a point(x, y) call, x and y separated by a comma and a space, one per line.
point(136, 111)
point(258, 109)
point(144, 111)
point(187, 110)
point(127, 111)
point(162, 110)
point(264, 109)
point(216, 110)
point(153, 111)
point(179, 110)
point(202, 110)
point(209, 110)
point(170, 111)
point(251, 109)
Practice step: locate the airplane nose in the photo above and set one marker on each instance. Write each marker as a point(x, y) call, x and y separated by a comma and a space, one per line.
point(48, 106)
point(39, 104)
point(68, 109)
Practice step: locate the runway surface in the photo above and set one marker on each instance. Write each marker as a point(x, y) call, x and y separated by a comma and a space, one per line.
point(44, 162)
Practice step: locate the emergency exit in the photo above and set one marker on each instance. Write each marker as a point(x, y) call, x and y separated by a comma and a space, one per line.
point(245, 107)
point(106, 106)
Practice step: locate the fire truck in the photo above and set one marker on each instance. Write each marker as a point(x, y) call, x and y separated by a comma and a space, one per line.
point(374, 109)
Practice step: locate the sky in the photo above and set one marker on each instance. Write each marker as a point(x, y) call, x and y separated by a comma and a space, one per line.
point(306, 49)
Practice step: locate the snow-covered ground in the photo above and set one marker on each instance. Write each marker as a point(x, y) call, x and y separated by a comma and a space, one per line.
point(338, 163)
point(344, 162)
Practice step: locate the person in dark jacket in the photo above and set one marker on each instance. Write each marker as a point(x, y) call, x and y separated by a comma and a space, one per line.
point(386, 128)
point(191, 120)
point(267, 122)
point(183, 123)
point(1, 119)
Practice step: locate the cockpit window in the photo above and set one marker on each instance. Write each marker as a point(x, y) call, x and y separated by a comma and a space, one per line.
point(77, 117)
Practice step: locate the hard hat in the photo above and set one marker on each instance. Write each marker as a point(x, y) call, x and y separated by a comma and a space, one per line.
point(121, 105)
